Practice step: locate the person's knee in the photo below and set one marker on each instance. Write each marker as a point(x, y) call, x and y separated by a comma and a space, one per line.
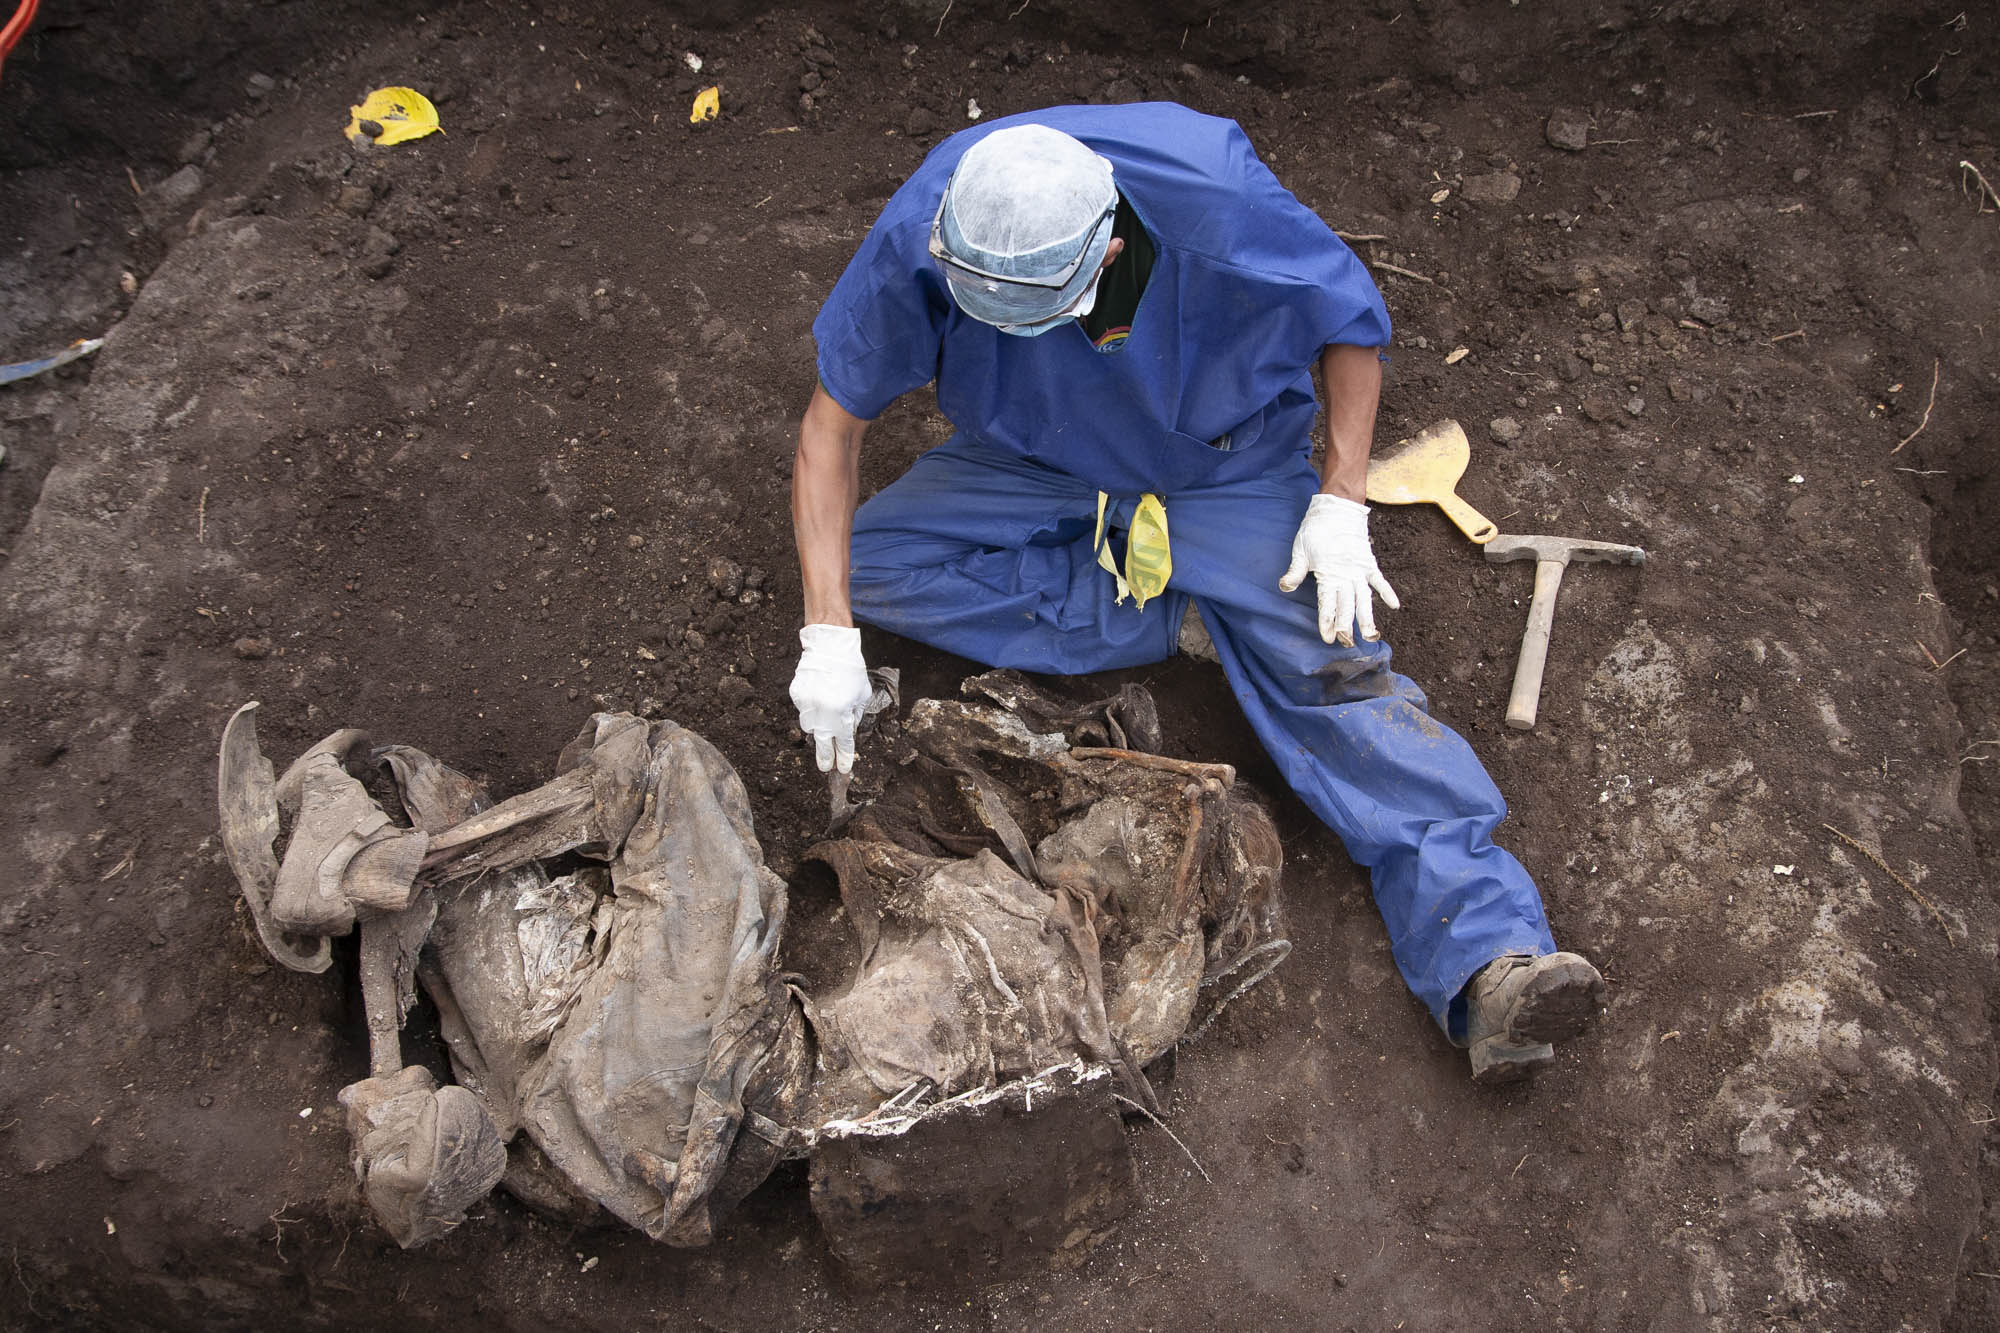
point(1318, 675)
point(1351, 676)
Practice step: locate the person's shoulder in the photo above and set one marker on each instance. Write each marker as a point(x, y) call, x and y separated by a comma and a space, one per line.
point(1180, 133)
point(1178, 130)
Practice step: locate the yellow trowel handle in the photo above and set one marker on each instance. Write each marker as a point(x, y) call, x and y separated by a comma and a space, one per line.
point(1471, 522)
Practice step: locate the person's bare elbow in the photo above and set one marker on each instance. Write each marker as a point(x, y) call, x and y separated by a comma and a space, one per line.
point(828, 426)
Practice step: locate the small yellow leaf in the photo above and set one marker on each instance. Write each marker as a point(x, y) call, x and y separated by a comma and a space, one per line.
point(707, 103)
point(391, 116)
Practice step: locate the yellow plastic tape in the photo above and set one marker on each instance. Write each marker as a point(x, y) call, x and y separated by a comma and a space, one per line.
point(392, 115)
point(1149, 556)
point(707, 103)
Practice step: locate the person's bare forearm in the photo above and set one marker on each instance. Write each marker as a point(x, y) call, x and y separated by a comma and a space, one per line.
point(825, 484)
point(1353, 390)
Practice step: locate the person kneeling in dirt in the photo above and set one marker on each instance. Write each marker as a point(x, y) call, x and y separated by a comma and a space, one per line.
point(1121, 308)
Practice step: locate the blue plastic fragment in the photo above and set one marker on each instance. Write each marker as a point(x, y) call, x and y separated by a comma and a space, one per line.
point(21, 370)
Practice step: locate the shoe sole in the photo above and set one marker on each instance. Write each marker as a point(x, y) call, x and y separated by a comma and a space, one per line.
point(1556, 1005)
point(1496, 1061)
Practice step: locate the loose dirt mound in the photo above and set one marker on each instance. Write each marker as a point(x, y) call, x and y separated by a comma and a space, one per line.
point(465, 439)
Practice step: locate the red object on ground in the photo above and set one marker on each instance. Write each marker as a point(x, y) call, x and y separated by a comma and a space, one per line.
point(24, 14)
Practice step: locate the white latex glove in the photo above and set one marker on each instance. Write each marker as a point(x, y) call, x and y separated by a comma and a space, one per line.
point(830, 689)
point(1333, 544)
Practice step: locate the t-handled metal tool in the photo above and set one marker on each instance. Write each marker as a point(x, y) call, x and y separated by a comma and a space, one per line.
point(1551, 556)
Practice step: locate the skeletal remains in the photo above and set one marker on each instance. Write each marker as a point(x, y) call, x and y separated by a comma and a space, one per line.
point(1038, 900)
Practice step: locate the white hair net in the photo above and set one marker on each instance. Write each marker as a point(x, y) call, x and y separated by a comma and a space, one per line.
point(1025, 203)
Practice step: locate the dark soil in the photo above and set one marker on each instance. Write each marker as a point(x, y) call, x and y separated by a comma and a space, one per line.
point(460, 440)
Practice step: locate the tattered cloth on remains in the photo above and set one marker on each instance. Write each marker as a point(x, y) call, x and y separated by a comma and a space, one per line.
point(1017, 902)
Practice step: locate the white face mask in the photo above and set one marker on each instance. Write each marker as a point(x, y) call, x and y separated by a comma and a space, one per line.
point(1084, 305)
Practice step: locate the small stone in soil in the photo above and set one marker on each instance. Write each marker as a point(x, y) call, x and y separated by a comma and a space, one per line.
point(176, 190)
point(252, 650)
point(1498, 187)
point(1568, 129)
point(725, 576)
point(378, 253)
point(1709, 309)
point(1505, 430)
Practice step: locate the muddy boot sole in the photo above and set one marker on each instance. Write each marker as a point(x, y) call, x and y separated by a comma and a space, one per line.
point(1496, 1061)
point(1556, 1004)
point(1545, 1000)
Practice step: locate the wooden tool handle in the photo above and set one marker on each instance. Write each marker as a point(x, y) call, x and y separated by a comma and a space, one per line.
point(1526, 697)
point(1471, 522)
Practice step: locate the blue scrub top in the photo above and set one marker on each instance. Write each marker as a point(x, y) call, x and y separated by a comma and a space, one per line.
point(1214, 385)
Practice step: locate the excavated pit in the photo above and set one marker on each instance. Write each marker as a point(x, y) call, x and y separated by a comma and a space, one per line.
point(471, 437)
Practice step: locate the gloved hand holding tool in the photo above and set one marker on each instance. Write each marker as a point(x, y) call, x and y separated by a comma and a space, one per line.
point(1333, 544)
point(831, 690)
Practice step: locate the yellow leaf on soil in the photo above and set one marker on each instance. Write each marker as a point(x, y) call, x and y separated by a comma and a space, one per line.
point(706, 103)
point(392, 115)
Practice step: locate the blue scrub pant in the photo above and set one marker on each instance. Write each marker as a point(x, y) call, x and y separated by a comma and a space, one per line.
point(990, 557)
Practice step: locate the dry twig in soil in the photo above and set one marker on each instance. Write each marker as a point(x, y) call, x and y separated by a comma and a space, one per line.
point(1908, 887)
point(1935, 364)
point(1168, 1132)
point(1400, 272)
point(1985, 186)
